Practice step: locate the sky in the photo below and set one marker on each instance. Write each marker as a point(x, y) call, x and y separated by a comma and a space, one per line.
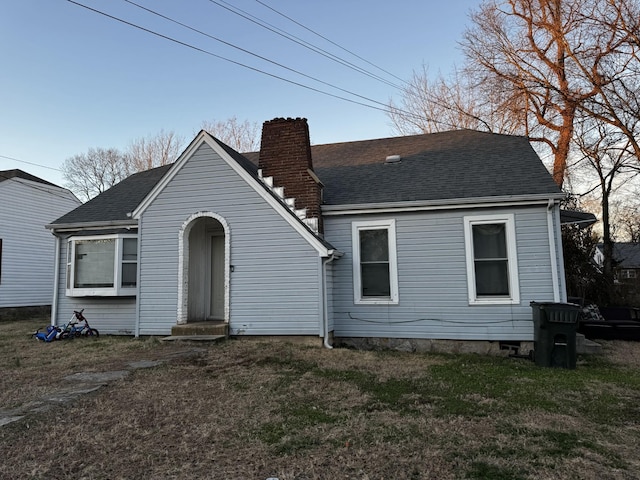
point(73, 79)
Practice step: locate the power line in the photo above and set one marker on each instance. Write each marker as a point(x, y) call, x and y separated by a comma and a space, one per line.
point(253, 54)
point(299, 41)
point(30, 163)
point(386, 109)
point(330, 41)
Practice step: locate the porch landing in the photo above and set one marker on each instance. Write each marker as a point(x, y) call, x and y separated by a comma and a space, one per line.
point(206, 331)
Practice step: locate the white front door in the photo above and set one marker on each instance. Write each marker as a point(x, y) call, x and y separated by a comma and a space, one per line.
point(216, 300)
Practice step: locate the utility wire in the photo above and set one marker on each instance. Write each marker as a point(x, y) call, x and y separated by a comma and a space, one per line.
point(330, 41)
point(206, 52)
point(29, 163)
point(303, 43)
point(248, 52)
point(44, 188)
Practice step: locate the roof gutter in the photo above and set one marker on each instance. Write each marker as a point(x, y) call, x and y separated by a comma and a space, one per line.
point(61, 227)
point(445, 204)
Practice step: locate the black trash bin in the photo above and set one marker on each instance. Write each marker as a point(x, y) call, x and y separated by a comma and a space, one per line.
point(554, 327)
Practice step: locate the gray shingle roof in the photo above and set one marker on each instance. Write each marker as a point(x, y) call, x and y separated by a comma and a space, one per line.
point(460, 164)
point(627, 255)
point(17, 173)
point(115, 203)
point(572, 217)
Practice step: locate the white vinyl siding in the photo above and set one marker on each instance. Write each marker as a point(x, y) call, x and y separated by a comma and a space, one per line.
point(275, 277)
point(28, 248)
point(432, 279)
point(110, 315)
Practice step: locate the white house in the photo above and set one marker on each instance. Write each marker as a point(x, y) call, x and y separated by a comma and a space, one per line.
point(27, 204)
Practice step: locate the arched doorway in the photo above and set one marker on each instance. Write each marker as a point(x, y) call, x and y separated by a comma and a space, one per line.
point(204, 266)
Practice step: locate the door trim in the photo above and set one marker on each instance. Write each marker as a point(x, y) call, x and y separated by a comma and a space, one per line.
point(183, 264)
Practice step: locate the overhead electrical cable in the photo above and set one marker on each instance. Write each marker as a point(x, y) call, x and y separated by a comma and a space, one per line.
point(330, 41)
point(29, 163)
point(248, 52)
point(386, 109)
point(303, 43)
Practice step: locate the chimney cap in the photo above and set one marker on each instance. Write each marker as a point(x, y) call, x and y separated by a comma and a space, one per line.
point(288, 119)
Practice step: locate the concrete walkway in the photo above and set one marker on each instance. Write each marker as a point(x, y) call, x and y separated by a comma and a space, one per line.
point(83, 383)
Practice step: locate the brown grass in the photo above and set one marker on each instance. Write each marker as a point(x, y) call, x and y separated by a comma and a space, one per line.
point(253, 410)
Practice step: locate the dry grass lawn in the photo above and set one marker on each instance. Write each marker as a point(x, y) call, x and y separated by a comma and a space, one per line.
point(254, 410)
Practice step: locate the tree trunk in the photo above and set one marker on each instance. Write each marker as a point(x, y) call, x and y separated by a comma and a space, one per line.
point(564, 144)
point(607, 249)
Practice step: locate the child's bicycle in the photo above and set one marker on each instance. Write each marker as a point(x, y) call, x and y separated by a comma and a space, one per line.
point(78, 326)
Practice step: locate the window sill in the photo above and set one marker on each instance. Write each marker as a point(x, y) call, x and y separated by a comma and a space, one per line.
point(494, 301)
point(376, 301)
point(101, 292)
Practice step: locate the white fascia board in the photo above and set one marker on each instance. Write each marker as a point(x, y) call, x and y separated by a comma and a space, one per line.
point(61, 227)
point(204, 138)
point(175, 168)
point(449, 204)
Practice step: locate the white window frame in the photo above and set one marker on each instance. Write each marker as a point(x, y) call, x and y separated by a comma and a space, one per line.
point(117, 289)
point(512, 259)
point(356, 228)
point(627, 274)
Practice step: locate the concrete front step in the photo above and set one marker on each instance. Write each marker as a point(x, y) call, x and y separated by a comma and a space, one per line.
point(586, 346)
point(195, 338)
point(209, 328)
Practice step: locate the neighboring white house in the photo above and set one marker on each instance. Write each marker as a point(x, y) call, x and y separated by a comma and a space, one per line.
point(440, 236)
point(27, 204)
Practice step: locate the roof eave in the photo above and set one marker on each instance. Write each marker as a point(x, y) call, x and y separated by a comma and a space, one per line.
point(61, 227)
point(452, 203)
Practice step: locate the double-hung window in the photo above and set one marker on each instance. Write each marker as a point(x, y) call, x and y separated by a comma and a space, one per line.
point(102, 265)
point(375, 272)
point(492, 265)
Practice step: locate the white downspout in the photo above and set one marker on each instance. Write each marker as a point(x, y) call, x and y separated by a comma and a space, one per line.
point(553, 252)
point(56, 282)
point(138, 276)
point(325, 301)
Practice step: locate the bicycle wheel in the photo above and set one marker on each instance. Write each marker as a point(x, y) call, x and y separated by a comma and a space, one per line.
point(92, 332)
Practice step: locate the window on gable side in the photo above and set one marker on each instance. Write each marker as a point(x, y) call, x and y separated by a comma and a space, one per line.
point(492, 271)
point(374, 262)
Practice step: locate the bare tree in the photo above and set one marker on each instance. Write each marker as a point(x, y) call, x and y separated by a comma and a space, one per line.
point(153, 151)
point(456, 102)
point(540, 63)
point(89, 174)
point(613, 68)
point(629, 222)
point(609, 157)
point(242, 136)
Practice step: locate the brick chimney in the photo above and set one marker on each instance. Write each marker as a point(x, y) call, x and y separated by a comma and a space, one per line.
point(285, 155)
